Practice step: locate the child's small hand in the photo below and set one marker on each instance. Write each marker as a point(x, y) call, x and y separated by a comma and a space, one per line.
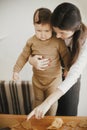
point(15, 76)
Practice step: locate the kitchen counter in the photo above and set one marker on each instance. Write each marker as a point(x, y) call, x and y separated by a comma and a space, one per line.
point(15, 122)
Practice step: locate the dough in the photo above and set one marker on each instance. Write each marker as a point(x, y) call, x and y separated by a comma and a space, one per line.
point(27, 124)
point(72, 124)
point(57, 123)
point(83, 124)
point(9, 122)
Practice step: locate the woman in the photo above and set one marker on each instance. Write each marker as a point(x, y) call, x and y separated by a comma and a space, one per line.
point(67, 24)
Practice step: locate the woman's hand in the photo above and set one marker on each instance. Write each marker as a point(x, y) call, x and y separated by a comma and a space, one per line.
point(39, 62)
point(39, 111)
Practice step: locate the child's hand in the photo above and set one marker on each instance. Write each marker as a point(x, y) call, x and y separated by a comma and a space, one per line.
point(15, 76)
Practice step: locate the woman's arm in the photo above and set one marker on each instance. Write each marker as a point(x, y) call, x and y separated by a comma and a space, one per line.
point(71, 78)
point(75, 70)
point(41, 110)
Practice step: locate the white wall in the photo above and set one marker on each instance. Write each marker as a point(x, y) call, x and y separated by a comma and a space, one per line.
point(16, 27)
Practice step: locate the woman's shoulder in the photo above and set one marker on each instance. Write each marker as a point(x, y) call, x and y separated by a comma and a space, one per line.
point(85, 44)
point(83, 50)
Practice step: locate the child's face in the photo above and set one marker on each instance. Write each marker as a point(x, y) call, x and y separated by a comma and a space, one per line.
point(43, 31)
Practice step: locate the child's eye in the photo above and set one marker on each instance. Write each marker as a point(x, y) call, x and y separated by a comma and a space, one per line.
point(47, 30)
point(39, 30)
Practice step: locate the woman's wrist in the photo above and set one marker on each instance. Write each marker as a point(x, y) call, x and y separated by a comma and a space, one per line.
point(54, 97)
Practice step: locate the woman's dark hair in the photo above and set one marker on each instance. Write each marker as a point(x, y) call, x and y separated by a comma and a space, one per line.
point(67, 16)
point(42, 16)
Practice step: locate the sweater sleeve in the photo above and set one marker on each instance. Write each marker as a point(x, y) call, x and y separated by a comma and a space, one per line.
point(75, 70)
point(23, 57)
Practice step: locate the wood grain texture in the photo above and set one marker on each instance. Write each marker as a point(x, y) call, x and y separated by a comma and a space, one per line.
point(16, 122)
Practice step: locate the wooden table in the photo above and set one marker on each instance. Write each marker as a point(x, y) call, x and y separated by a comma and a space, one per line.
point(14, 121)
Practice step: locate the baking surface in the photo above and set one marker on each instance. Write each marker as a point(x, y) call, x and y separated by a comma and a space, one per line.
point(18, 122)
